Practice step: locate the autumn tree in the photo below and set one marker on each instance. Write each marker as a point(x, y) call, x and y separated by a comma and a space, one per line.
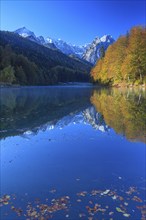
point(124, 61)
point(134, 64)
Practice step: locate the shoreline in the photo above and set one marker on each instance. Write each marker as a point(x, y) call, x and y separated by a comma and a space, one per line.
point(58, 84)
point(142, 86)
point(121, 86)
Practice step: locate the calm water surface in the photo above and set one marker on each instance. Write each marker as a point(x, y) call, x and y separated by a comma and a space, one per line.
point(73, 153)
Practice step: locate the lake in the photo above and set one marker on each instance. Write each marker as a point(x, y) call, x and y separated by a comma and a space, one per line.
point(73, 152)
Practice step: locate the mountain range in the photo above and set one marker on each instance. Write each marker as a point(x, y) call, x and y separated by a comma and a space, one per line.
point(90, 52)
point(27, 59)
point(27, 62)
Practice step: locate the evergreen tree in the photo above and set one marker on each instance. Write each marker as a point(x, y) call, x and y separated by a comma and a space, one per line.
point(20, 75)
point(102, 52)
point(7, 74)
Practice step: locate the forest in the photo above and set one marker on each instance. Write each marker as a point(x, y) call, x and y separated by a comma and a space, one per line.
point(24, 62)
point(124, 62)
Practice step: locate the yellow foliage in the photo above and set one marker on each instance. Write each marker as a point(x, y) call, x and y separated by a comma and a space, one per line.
point(124, 111)
point(125, 60)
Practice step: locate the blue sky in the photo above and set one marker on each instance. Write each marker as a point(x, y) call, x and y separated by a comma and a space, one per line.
point(77, 22)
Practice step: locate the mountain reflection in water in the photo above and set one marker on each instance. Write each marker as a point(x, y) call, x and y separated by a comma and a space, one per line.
point(72, 152)
point(28, 110)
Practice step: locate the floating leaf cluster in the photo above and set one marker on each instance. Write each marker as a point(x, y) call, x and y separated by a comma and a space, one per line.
point(95, 204)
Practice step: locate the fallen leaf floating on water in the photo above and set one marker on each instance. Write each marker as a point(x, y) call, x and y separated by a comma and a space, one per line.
point(120, 198)
point(105, 192)
point(95, 192)
point(112, 193)
point(5, 200)
point(131, 190)
point(46, 210)
point(18, 211)
point(84, 193)
point(81, 215)
point(90, 202)
point(137, 199)
point(126, 215)
point(111, 213)
point(79, 200)
point(143, 211)
point(7, 197)
point(39, 211)
point(119, 209)
point(114, 197)
point(34, 213)
point(5, 203)
point(96, 208)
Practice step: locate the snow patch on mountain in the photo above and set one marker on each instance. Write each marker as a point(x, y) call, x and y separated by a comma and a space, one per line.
point(94, 51)
point(24, 32)
point(68, 48)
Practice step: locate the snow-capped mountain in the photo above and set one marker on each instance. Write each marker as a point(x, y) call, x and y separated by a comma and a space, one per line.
point(64, 47)
point(89, 52)
point(68, 48)
point(95, 50)
point(24, 32)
